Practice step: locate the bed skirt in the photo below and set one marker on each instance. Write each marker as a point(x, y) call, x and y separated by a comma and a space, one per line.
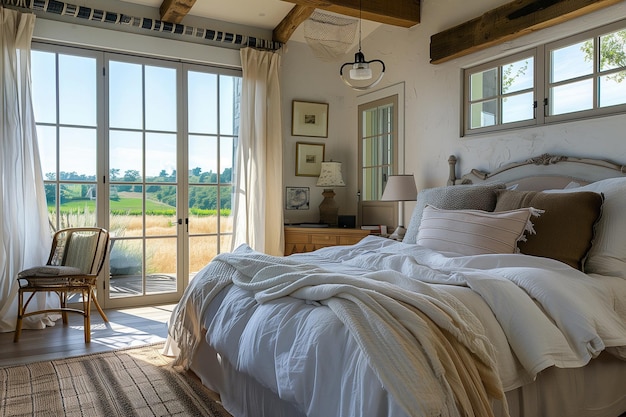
point(592, 391)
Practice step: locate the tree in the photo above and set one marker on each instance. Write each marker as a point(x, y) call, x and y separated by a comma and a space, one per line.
point(227, 176)
point(612, 53)
point(509, 78)
point(131, 175)
point(113, 174)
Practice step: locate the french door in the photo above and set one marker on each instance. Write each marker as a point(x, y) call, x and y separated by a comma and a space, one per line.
point(143, 184)
point(145, 148)
point(378, 158)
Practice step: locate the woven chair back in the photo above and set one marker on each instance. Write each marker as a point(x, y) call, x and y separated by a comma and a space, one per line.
point(83, 248)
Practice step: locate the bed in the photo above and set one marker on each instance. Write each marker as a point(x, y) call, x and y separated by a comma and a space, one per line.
point(506, 297)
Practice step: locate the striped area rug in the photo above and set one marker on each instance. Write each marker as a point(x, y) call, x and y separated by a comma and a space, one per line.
point(130, 382)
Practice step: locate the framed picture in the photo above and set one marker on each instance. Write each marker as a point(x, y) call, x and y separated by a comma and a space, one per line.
point(309, 119)
point(297, 198)
point(309, 157)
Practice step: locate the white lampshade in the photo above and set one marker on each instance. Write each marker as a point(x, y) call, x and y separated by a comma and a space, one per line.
point(400, 188)
point(330, 175)
point(361, 71)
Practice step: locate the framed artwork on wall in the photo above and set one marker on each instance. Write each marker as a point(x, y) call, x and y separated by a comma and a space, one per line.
point(309, 119)
point(297, 198)
point(309, 157)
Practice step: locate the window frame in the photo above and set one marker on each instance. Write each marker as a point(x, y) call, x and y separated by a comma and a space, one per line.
point(542, 85)
point(498, 64)
point(377, 211)
point(595, 111)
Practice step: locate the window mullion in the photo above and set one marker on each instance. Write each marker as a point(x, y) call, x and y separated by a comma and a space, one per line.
point(596, 72)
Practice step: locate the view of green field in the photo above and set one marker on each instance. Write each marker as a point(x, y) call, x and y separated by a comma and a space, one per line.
point(126, 221)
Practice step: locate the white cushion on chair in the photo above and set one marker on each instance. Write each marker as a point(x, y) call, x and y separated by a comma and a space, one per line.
point(78, 246)
point(49, 271)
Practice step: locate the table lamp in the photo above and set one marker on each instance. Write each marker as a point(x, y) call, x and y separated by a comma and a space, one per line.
point(400, 188)
point(330, 176)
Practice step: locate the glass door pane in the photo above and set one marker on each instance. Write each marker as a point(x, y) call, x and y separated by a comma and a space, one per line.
point(377, 152)
point(64, 98)
point(143, 180)
point(65, 91)
point(213, 103)
point(377, 149)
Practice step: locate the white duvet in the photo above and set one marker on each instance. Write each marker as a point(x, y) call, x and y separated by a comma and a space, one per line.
point(536, 312)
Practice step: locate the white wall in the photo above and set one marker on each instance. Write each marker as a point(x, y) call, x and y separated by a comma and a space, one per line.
point(433, 104)
point(306, 78)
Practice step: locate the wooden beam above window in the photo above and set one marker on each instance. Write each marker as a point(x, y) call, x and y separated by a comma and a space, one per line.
point(507, 22)
point(403, 13)
point(173, 11)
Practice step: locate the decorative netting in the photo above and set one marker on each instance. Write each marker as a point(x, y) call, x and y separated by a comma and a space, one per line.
point(329, 36)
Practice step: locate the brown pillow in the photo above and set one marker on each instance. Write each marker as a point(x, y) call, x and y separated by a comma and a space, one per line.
point(564, 231)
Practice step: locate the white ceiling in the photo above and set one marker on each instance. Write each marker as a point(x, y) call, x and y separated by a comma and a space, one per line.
point(264, 14)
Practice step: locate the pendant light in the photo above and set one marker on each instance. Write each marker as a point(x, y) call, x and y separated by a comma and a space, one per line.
point(361, 70)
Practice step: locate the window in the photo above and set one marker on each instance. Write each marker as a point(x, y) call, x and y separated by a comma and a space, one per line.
point(144, 147)
point(584, 77)
point(586, 74)
point(502, 94)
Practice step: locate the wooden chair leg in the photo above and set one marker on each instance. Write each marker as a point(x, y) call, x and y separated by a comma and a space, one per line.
point(87, 314)
point(100, 310)
point(20, 313)
point(63, 301)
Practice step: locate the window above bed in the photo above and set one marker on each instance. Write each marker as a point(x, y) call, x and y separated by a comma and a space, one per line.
point(577, 77)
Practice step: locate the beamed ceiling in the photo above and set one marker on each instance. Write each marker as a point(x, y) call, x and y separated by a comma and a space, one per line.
point(404, 13)
point(498, 25)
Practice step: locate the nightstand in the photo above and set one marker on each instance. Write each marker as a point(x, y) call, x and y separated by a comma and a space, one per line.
point(307, 239)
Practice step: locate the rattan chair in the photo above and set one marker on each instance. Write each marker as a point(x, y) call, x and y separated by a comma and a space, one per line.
point(76, 258)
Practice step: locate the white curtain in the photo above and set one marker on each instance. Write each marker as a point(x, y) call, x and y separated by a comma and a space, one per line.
point(258, 207)
point(24, 231)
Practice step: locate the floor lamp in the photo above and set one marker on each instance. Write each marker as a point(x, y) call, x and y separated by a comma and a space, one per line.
point(330, 176)
point(400, 188)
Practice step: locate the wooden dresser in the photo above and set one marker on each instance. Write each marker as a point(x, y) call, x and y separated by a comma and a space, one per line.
point(307, 239)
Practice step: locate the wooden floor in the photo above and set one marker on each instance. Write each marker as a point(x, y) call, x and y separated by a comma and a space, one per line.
point(126, 328)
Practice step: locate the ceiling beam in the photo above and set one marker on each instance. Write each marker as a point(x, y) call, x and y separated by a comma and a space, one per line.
point(290, 23)
point(403, 13)
point(507, 22)
point(173, 11)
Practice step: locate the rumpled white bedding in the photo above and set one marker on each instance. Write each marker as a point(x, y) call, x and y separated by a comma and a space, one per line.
point(306, 355)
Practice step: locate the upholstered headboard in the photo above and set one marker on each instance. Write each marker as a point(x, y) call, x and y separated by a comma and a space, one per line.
point(542, 172)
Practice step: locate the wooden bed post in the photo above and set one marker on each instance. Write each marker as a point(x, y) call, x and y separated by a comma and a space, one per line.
point(452, 173)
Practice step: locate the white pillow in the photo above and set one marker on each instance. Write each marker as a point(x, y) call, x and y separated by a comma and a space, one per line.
point(474, 232)
point(451, 197)
point(607, 255)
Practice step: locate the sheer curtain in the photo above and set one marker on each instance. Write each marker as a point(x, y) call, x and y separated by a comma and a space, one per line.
point(24, 232)
point(259, 178)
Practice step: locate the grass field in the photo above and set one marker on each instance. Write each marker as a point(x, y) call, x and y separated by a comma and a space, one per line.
point(130, 203)
point(160, 229)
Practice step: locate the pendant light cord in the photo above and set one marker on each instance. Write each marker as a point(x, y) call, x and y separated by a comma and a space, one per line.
point(360, 21)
